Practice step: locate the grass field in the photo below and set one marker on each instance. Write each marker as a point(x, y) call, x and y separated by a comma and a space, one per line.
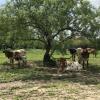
point(42, 83)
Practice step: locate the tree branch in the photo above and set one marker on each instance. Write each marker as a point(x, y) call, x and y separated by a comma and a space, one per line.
point(67, 28)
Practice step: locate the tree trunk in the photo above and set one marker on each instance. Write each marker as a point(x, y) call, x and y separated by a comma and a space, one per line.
point(46, 58)
point(47, 61)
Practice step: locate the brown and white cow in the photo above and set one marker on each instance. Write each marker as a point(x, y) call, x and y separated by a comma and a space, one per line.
point(83, 56)
point(17, 55)
point(67, 65)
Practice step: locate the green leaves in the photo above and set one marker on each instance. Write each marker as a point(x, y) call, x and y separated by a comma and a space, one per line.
point(49, 18)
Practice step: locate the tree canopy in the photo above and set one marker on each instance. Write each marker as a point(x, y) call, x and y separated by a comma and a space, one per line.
point(46, 20)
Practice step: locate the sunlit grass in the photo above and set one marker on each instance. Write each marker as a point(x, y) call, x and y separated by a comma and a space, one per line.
point(35, 54)
point(7, 74)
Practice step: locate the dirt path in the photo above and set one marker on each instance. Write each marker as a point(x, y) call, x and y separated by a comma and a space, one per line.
point(48, 90)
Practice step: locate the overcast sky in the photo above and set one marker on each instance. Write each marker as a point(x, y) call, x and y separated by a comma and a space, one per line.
point(96, 3)
point(2, 2)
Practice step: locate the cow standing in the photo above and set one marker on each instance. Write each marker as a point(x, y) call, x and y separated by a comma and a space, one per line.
point(83, 56)
point(18, 55)
point(92, 51)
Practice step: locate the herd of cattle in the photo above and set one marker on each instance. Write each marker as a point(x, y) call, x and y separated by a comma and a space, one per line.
point(80, 56)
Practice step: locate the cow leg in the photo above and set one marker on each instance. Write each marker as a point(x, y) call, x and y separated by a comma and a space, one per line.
point(73, 57)
point(95, 55)
point(59, 70)
point(19, 63)
point(24, 61)
point(79, 60)
point(12, 62)
point(83, 63)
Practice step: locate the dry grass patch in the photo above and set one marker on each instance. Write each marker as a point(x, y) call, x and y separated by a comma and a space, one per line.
point(45, 90)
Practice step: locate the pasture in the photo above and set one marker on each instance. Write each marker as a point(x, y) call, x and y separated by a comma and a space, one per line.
point(42, 83)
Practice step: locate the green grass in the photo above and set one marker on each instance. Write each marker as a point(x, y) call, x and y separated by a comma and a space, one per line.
point(35, 55)
point(7, 74)
point(2, 57)
point(43, 83)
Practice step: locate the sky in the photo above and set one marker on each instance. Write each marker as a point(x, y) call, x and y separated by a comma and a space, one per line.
point(2, 2)
point(95, 3)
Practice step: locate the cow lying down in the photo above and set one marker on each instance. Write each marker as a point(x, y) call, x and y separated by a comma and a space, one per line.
point(16, 55)
point(68, 65)
point(73, 66)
